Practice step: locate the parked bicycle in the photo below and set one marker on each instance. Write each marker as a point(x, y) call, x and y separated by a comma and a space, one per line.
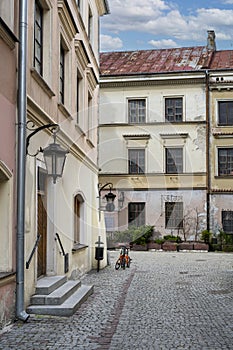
point(124, 258)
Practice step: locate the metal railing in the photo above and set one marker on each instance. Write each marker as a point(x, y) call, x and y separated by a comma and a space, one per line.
point(33, 251)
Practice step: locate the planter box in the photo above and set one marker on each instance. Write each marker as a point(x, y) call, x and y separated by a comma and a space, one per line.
point(186, 246)
point(139, 247)
point(153, 245)
point(201, 246)
point(169, 247)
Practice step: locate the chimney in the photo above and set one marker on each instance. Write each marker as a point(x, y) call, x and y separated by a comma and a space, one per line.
point(211, 45)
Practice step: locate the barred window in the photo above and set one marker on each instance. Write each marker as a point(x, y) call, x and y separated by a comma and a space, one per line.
point(225, 161)
point(136, 214)
point(174, 109)
point(225, 112)
point(137, 111)
point(227, 221)
point(174, 215)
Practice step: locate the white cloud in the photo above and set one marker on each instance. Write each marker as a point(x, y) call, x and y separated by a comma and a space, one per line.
point(108, 42)
point(164, 19)
point(161, 44)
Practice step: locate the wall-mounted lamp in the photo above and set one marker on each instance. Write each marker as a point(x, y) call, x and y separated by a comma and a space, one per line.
point(110, 197)
point(54, 154)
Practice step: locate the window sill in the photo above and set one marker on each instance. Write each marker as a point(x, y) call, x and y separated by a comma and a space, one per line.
point(78, 247)
point(40, 80)
point(7, 277)
point(64, 111)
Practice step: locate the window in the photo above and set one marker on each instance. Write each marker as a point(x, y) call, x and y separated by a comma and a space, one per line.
point(174, 160)
point(62, 74)
point(225, 161)
point(136, 161)
point(174, 109)
point(136, 214)
point(38, 38)
point(225, 112)
point(90, 25)
point(174, 215)
point(227, 221)
point(78, 217)
point(77, 97)
point(137, 111)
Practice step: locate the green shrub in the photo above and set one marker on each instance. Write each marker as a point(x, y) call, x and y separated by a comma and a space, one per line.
point(171, 238)
point(205, 236)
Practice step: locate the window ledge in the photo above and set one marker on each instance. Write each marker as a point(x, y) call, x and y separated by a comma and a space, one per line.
point(6, 277)
point(80, 130)
point(64, 110)
point(40, 80)
point(77, 247)
point(90, 143)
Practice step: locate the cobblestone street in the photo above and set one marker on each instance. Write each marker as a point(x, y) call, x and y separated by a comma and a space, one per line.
point(163, 301)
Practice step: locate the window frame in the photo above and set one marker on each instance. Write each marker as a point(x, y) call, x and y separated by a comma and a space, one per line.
point(136, 214)
point(229, 222)
point(137, 108)
point(173, 118)
point(62, 74)
point(227, 172)
point(174, 219)
point(138, 165)
point(38, 61)
point(227, 117)
point(174, 164)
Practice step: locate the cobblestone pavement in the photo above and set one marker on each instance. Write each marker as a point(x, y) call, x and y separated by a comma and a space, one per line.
point(163, 301)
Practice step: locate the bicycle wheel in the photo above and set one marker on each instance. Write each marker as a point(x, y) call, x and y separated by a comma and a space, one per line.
point(123, 263)
point(118, 264)
point(128, 262)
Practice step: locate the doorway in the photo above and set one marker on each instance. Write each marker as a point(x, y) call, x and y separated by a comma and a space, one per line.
point(41, 222)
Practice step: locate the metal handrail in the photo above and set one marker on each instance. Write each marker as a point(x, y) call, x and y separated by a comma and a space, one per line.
point(60, 243)
point(33, 251)
point(66, 255)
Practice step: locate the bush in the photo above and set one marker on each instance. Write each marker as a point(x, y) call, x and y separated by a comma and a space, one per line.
point(205, 236)
point(171, 238)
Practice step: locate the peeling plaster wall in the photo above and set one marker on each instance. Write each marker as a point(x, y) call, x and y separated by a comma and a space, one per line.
point(219, 202)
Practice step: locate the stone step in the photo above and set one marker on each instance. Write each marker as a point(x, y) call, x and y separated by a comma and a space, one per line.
point(47, 285)
point(58, 296)
point(67, 308)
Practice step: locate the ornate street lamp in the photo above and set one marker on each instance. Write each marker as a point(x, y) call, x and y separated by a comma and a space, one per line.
point(110, 197)
point(54, 154)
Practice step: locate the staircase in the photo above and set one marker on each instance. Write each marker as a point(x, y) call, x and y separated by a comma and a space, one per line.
point(57, 296)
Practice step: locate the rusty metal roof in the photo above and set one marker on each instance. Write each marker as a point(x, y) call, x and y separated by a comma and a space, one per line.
point(164, 61)
point(222, 60)
point(154, 61)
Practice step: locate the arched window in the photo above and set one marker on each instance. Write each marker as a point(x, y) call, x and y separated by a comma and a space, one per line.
point(78, 218)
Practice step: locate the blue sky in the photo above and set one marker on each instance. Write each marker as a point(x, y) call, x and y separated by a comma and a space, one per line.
point(156, 24)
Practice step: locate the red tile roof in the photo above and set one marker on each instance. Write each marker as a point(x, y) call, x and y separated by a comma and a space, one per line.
point(163, 61)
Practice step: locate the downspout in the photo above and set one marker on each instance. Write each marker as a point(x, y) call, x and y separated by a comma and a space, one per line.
point(21, 160)
point(207, 152)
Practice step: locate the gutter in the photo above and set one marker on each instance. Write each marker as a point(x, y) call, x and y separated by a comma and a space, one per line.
point(207, 152)
point(21, 160)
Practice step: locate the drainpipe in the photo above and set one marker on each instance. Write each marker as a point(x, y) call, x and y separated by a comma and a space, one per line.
point(207, 152)
point(21, 160)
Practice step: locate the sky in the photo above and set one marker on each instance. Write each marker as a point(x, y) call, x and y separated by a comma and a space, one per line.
point(157, 24)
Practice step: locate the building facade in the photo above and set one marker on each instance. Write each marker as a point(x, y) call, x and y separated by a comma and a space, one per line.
point(220, 181)
point(8, 104)
point(62, 73)
point(157, 110)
